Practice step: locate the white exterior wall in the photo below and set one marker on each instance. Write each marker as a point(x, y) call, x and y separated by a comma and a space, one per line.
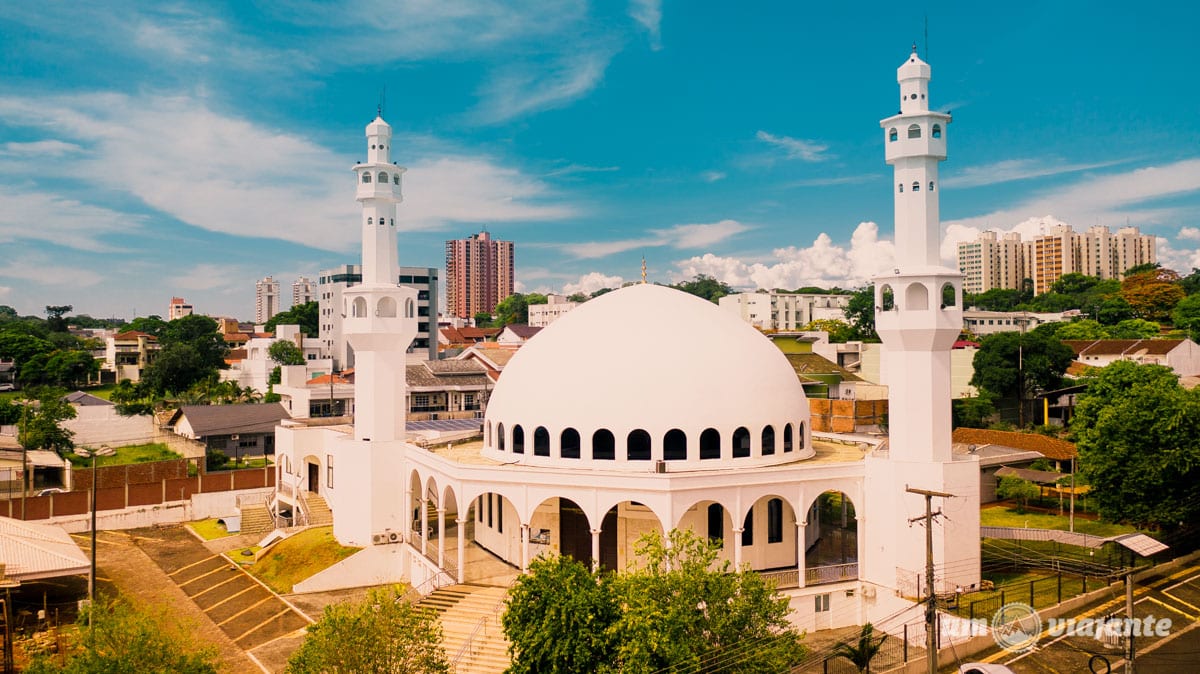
point(784, 311)
point(541, 315)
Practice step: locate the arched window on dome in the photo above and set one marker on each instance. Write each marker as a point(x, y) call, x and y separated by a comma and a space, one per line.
point(937, 131)
point(768, 440)
point(787, 437)
point(383, 179)
point(893, 135)
point(901, 187)
point(518, 439)
point(716, 523)
point(741, 443)
point(914, 131)
point(930, 185)
point(775, 519)
point(541, 441)
point(675, 445)
point(569, 444)
point(800, 435)
point(710, 444)
point(500, 436)
point(366, 177)
point(604, 445)
point(637, 446)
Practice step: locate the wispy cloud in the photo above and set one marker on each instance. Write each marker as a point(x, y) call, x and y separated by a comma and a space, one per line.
point(32, 215)
point(678, 236)
point(795, 148)
point(518, 89)
point(712, 176)
point(648, 13)
point(573, 169)
point(823, 263)
point(838, 180)
point(43, 271)
point(1016, 169)
point(211, 176)
point(40, 148)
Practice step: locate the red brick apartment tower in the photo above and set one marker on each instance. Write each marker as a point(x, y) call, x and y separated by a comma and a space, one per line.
point(479, 273)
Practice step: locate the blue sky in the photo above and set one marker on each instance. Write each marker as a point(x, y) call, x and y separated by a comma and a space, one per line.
point(157, 149)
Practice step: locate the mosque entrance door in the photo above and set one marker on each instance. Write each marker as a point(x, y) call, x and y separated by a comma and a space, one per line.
point(314, 477)
point(574, 534)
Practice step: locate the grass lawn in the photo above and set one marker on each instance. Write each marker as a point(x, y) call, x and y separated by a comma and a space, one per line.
point(104, 391)
point(209, 529)
point(260, 462)
point(1017, 587)
point(154, 451)
point(1007, 517)
point(298, 557)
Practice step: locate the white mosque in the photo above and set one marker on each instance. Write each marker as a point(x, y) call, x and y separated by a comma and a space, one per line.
point(608, 424)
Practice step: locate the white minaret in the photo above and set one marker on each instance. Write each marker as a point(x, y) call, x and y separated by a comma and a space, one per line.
point(380, 315)
point(918, 315)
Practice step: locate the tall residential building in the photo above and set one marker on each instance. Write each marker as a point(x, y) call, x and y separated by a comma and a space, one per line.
point(479, 273)
point(178, 308)
point(303, 291)
point(784, 311)
point(333, 282)
point(541, 315)
point(991, 261)
point(266, 299)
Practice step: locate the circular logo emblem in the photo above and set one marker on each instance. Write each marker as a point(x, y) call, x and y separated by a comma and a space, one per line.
point(1016, 627)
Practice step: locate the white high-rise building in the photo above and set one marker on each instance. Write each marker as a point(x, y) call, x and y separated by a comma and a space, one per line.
point(266, 299)
point(918, 315)
point(303, 292)
point(773, 310)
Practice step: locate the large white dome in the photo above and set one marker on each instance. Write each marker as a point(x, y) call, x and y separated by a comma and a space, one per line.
point(647, 358)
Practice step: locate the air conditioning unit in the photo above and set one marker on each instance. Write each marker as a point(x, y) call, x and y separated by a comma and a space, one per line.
point(869, 591)
point(394, 537)
point(660, 466)
point(379, 539)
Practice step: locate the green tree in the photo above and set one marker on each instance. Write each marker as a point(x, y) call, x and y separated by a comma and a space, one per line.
point(863, 650)
point(602, 291)
point(284, 352)
point(1011, 365)
point(70, 368)
point(1134, 328)
point(307, 316)
point(1152, 294)
point(177, 368)
point(1019, 490)
point(1137, 432)
point(705, 286)
point(860, 313)
point(41, 421)
point(1112, 310)
point(151, 325)
point(1187, 315)
point(131, 399)
point(1189, 283)
point(840, 332)
point(123, 638)
point(578, 298)
point(19, 346)
point(559, 618)
point(382, 633)
point(202, 334)
point(512, 310)
point(1083, 329)
point(54, 317)
point(973, 412)
point(483, 319)
point(996, 299)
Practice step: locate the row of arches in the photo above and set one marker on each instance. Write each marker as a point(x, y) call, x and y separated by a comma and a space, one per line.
point(384, 308)
point(640, 446)
point(371, 221)
point(916, 297)
point(914, 131)
point(916, 186)
point(383, 177)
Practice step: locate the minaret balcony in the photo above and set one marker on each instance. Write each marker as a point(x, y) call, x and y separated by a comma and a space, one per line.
point(376, 190)
point(380, 318)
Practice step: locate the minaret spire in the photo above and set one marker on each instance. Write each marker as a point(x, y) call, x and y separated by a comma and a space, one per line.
point(643, 270)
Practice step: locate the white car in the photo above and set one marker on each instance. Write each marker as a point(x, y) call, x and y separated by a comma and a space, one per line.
point(7, 387)
point(52, 490)
point(984, 668)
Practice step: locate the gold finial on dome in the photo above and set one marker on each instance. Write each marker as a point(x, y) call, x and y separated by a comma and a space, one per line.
point(643, 270)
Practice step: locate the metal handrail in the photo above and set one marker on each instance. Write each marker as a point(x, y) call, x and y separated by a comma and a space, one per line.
point(481, 625)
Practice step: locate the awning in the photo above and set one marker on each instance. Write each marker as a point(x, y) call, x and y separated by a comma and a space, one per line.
point(30, 551)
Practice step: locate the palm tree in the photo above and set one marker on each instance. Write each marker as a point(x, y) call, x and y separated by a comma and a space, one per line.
point(863, 651)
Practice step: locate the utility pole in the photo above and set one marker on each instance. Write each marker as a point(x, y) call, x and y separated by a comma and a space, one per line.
point(1129, 618)
point(930, 597)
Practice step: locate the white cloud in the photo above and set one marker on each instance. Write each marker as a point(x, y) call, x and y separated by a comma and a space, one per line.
point(821, 264)
point(573, 169)
point(591, 282)
point(42, 271)
point(29, 214)
point(795, 148)
point(678, 236)
point(649, 14)
point(228, 175)
point(1014, 169)
point(712, 176)
point(40, 148)
point(520, 89)
point(1189, 234)
point(1182, 260)
point(213, 276)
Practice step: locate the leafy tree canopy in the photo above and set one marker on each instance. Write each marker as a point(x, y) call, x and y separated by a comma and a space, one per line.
point(151, 325)
point(511, 310)
point(41, 420)
point(1187, 315)
point(578, 298)
point(483, 319)
point(382, 633)
point(1012, 365)
point(1189, 283)
point(1152, 294)
point(705, 286)
point(839, 331)
point(306, 315)
point(284, 352)
point(1019, 490)
point(860, 313)
point(597, 293)
point(54, 317)
point(1137, 432)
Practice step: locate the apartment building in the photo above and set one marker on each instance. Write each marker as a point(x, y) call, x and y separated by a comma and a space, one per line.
point(479, 273)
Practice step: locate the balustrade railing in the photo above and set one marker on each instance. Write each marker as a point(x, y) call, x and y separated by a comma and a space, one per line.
point(832, 573)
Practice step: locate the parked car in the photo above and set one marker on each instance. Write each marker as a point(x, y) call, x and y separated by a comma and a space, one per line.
point(51, 490)
point(984, 668)
point(7, 387)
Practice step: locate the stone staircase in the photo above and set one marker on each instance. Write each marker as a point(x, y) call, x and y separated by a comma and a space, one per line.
point(460, 608)
point(319, 514)
point(256, 519)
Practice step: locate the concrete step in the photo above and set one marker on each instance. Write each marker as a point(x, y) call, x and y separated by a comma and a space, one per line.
point(460, 609)
point(256, 519)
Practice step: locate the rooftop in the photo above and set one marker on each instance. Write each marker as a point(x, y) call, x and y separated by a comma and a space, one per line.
point(469, 453)
point(1051, 448)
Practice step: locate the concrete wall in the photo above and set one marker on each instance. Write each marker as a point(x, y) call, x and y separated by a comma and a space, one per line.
point(374, 565)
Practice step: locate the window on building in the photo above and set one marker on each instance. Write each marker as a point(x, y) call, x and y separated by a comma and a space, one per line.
point(675, 445)
point(569, 447)
point(748, 529)
point(716, 523)
point(383, 179)
point(775, 521)
point(499, 513)
point(710, 444)
point(901, 187)
point(937, 131)
point(604, 445)
point(366, 177)
point(396, 179)
point(518, 439)
point(489, 511)
point(637, 446)
point(768, 440)
point(821, 603)
point(930, 185)
point(893, 135)
point(787, 437)
point(741, 443)
point(541, 441)
point(500, 436)
point(916, 186)
point(328, 470)
point(479, 509)
point(914, 131)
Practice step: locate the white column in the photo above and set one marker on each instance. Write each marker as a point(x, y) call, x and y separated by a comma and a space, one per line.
point(441, 512)
point(737, 548)
point(595, 549)
point(801, 548)
point(861, 539)
point(524, 548)
point(424, 526)
point(462, 556)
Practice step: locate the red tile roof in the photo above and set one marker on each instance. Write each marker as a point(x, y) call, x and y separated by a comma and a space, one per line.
point(1051, 448)
point(1121, 347)
point(134, 334)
